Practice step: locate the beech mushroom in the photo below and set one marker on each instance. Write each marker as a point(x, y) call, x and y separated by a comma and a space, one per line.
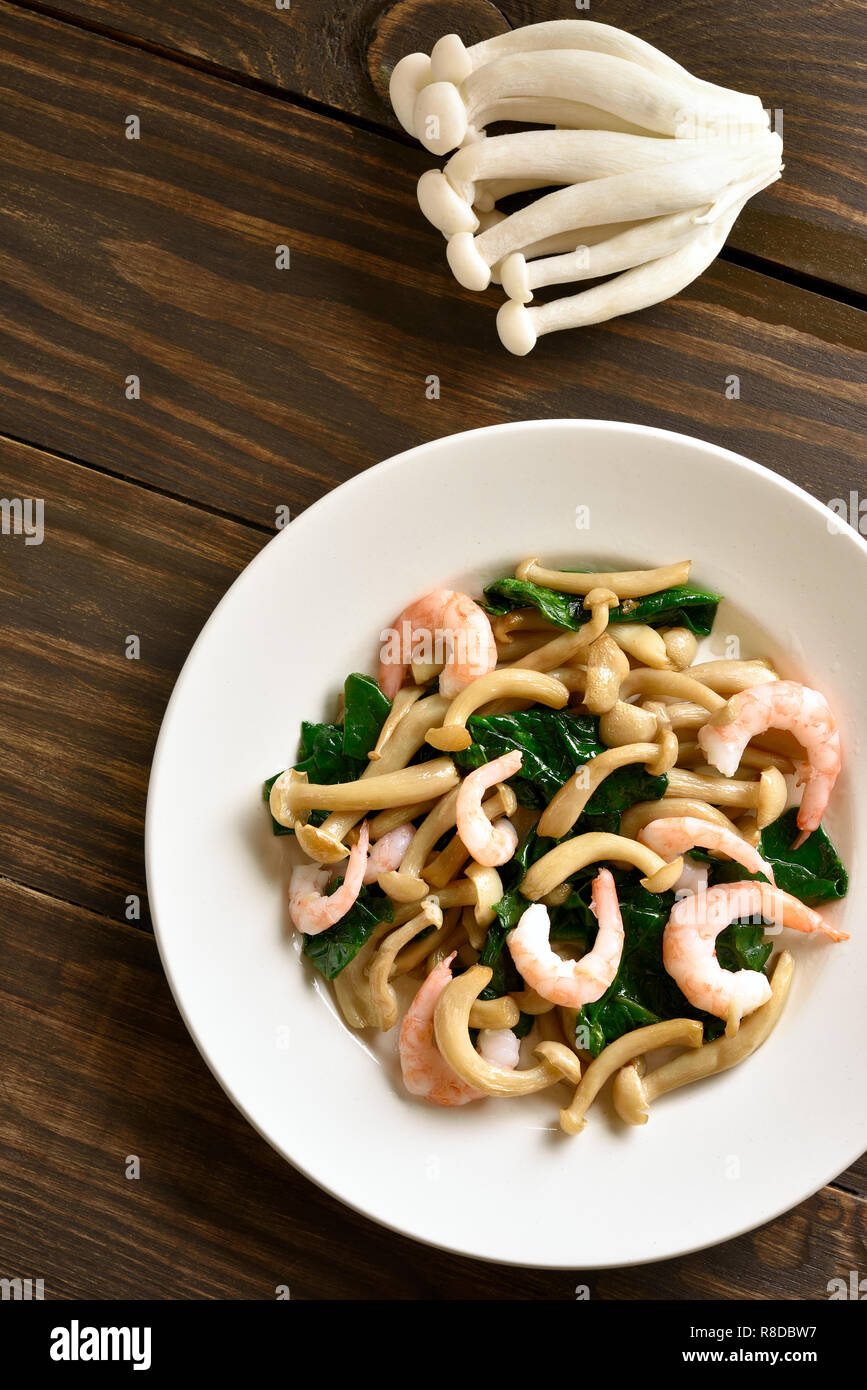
point(634, 1090)
point(520, 328)
point(638, 194)
point(451, 61)
point(444, 113)
point(650, 164)
point(645, 242)
point(407, 79)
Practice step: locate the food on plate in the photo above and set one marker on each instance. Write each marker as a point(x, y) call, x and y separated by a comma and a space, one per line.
point(549, 838)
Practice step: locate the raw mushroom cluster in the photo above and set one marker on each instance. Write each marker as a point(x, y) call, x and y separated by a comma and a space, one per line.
point(650, 165)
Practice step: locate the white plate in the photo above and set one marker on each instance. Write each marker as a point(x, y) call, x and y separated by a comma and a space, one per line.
point(497, 1180)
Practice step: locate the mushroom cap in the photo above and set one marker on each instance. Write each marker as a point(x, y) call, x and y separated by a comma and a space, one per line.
point(407, 79)
point(628, 1094)
point(442, 206)
point(404, 888)
point(773, 794)
point(325, 849)
point(515, 327)
point(469, 267)
point(450, 60)
point(440, 117)
point(514, 278)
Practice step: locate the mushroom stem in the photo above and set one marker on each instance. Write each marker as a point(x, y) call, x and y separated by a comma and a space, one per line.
point(558, 157)
point(684, 1031)
point(514, 680)
point(555, 245)
point(401, 788)
point(639, 194)
point(626, 584)
point(634, 1091)
point(520, 327)
point(568, 857)
point(451, 61)
point(648, 241)
point(451, 1028)
point(445, 113)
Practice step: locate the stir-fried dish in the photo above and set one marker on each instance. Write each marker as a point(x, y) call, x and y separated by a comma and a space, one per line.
point(576, 841)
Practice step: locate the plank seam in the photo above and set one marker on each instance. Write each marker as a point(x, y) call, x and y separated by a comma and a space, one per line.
point(193, 63)
point(137, 929)
point(104, 471)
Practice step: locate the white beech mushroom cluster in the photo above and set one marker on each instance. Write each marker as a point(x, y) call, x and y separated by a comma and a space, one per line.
point(650, 166)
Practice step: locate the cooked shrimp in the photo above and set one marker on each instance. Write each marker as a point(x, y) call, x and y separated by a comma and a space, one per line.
point(570, 983)
point(689, 944)
point(425, 1071)
point(780, 705)
point(460, 638)
point(674, 835)
point(311, 910)
point(489, 844)
point(500, 1047)
point(388, 852)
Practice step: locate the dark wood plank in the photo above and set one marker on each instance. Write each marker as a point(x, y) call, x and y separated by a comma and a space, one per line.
point(97, 1066)
point(260, 386)
point(855, 1178)
point(79, 719)
point(804, 62)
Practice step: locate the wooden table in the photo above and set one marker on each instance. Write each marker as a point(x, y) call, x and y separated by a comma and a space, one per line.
point(154, 258)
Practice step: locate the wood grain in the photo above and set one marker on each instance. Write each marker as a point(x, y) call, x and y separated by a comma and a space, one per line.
point(79, 719)
point(260, 387)
point(98, 1067)
point(807, 65)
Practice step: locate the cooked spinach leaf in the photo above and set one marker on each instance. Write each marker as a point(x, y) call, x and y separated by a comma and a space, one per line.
point(554, 743)
point(642, 991)
point(365, 712)
point(332, 950)
point(742, 946)
point(813, 872)
point(683, 606)
point(321, 756)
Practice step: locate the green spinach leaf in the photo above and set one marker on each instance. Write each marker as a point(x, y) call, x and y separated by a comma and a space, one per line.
point(322, 757)
point(642, 991)
point(332, 950)
point(686, 605)
point(365, 712)
point(554, 743)
point(813, 872)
